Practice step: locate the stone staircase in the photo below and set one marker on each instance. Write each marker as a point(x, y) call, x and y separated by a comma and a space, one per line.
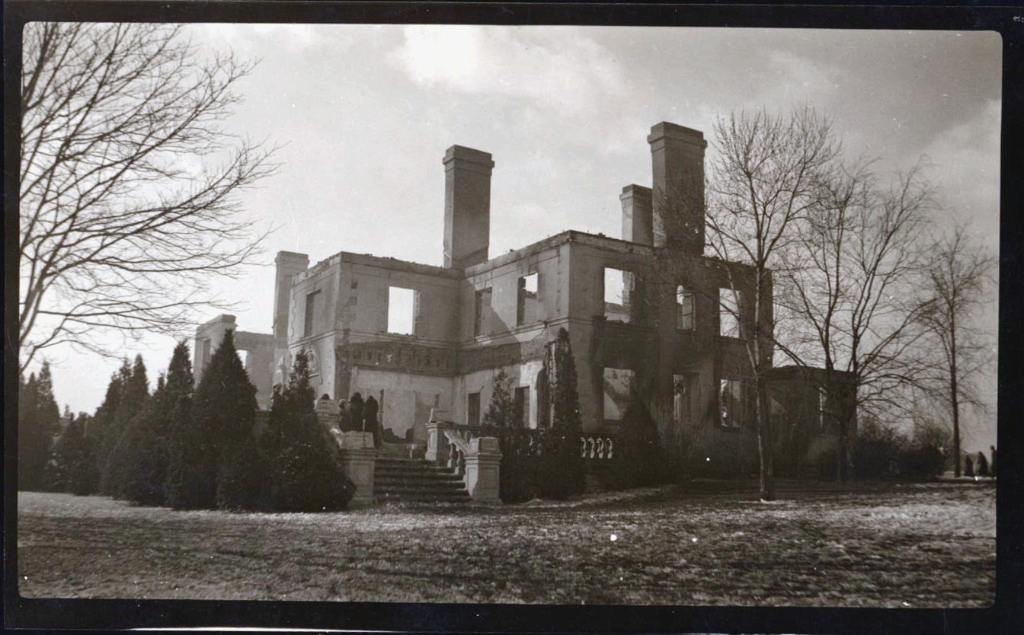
point(398, 480)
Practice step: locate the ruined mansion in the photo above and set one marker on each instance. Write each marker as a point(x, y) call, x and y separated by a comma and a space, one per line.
point(646, 312)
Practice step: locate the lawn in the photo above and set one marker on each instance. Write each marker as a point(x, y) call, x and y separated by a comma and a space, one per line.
point(874, 544)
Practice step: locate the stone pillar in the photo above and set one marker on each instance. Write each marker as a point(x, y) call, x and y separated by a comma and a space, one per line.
point(288, 264)
point(358, 458)
point(483, 465)
point(637, 216)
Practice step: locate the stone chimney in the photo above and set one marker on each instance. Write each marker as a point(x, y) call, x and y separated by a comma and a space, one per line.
point(677, 154)
point(467, 206)
point(637, 224)
point(288, 264)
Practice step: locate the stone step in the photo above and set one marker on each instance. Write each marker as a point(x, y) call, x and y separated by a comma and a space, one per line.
point(387, 469)
point(423, 498)
point(419, 489)
point(398, 480)
point(401, 480)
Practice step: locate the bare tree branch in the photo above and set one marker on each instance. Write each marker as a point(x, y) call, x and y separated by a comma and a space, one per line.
point(849, 286)
point(961, 274)
point(765, 180)
point(129, 183)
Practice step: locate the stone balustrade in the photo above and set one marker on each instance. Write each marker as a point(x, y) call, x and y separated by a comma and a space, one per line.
point(597, 447)
point(465, 450)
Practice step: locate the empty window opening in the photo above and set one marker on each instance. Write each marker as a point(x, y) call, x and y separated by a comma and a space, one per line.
point(312, 307)
point(527, 307)
point(618, 285)
point(684, 309)
point(730, 302)
point(473, 409)
point(617, 385)
point(682, 398)
point(401, 311)
point(522, 414)
point(731, 403)
point(482, 312)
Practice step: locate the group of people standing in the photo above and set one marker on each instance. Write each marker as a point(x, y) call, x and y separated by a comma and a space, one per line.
point(360, 416)
point(981, 467)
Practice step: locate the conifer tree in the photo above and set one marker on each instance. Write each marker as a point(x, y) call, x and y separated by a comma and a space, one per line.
point(307, 474)
point(49, 411)
point(147, 451)
point(72, 465)
point(127, 418)
point(223, 413)
point(106, 429)
point(28, 445)
point(183, 479)
point(517, 480)
point(38, 424)
point(562, 464)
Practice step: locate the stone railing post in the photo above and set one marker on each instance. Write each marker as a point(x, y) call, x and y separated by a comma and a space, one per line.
point(483, 465)
point(437, 445)
point(358, 457)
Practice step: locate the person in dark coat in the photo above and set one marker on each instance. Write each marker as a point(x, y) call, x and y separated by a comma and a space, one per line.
point(370, 418)
point(344, 420)
point(355, 411)
point(968, 466)
point(992, 466)
point(982, 465)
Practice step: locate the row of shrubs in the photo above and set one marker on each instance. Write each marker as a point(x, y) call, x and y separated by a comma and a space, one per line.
point(190, 446)
point(882, 452)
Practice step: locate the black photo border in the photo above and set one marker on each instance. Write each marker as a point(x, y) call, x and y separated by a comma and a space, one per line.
point(1006, 615)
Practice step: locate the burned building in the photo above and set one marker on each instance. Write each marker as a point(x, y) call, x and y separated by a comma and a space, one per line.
point(646, 312)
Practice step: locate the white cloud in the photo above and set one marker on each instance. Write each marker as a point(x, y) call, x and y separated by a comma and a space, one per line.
point(265, 39)
point(558, 69)
point(965, 162)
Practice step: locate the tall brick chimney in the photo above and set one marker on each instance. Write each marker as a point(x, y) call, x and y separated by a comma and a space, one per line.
point(288, 264)
point(677, 154)
point(637, 226)
point(467, 206)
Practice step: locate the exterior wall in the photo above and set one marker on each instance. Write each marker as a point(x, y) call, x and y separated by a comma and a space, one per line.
point(407, 399)
point(259, 361)
point(351, 321)
point(804, 433)
point(482, 381)
point(650, 344)
point(502, 275)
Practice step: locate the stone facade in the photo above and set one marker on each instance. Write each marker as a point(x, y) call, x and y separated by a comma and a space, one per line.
point(421, 337)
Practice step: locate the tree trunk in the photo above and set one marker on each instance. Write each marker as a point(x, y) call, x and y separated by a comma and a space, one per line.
point(764, 442)
point(953, 390)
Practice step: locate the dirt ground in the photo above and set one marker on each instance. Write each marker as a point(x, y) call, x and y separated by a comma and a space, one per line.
point(875, 544)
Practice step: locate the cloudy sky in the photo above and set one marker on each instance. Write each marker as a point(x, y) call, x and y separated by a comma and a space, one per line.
point(365, 113)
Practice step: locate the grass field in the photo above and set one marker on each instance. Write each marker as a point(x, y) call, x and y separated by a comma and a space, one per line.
point(886, 545)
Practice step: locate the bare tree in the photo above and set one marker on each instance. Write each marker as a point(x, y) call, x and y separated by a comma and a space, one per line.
point(960, 275)
point(849, 290)
point(764, 181)
point(129, 181)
